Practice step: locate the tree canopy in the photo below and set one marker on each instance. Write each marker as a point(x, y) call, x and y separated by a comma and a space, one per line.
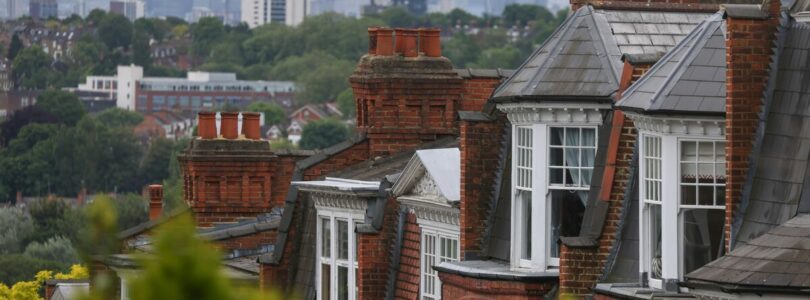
point(323, 133)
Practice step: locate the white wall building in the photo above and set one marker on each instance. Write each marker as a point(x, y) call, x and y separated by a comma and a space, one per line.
point(255, 12)
point(296, 10)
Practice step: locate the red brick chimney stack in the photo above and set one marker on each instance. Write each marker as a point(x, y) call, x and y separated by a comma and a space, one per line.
point(406, 99)
point(748, 56)
point(155, 201)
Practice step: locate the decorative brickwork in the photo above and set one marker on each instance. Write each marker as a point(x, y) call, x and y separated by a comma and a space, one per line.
point(408, 278)
point(749, 45)
point(459, 287)
point(480, 147)
point(404, 102)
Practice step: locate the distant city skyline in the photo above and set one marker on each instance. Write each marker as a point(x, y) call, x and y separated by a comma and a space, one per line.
point(290, 12)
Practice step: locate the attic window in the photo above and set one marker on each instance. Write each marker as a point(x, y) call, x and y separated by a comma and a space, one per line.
point(336, 271)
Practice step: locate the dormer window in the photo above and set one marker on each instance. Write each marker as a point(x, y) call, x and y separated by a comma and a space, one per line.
point(553, 158)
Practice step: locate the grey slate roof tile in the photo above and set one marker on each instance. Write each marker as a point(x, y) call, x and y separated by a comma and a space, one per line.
point(582, 57)
point(687, 79)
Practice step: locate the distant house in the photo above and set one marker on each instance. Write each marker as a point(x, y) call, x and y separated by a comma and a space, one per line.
point(314, 112)
point(165, 124)
point(294, 132)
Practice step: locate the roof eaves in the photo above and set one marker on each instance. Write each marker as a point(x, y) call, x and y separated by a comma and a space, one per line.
point(744, 11)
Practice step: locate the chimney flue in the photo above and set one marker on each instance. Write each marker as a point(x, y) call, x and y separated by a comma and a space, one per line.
point(155, 201)
point(372, 40)
point(250, 125)
point(410, 48)
point(207, 125)
point(229, 127)
point(385, 42)
point(430, 42)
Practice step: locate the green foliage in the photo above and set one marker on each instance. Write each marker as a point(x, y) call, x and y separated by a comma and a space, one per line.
point(132, 209)
point(325, 82)
point(115, 30)
point(273, 114)
point(185, 267)
point(173, 186)
point(54, 218)
point(346, 103)
point(65, 106)
point(30, 68)
point(154, 167)
point(116, 117)
point(282, 144)
point(95, 16)
point(57, 248)
point(15, 228)
point(140, 47)
point(14, 47)
point(18, 267)
point(505, 57)
point(323, 133)
point(523, 14)
point(205, 33)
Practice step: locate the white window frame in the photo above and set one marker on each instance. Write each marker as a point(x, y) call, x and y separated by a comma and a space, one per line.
point(438, 232)
point(352, 218)
point(540, 189)
point(672, 262)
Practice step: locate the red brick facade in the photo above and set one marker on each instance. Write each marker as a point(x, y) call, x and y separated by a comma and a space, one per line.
point(459, 287)
point(749, 45)
point(477, 91)
point(410, 260)
point(374, 254)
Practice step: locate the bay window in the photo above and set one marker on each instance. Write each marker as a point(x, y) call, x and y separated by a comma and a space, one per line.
point(553, 165)
point(437, 247)
point(682, 191)
point(337, 256)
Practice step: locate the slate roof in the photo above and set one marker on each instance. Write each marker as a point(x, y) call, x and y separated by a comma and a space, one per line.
point(779, 258)
point(582, 58)
point(690, 79)
point(774, 191)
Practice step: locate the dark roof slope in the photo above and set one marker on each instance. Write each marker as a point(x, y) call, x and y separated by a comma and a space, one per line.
point(778, 259)
point(582, 58)
point(779, 163)
point(689, 79)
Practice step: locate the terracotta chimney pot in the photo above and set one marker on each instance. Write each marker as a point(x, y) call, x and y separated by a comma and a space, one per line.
point(385, 42)
point(372, 40)
point(229, 128)
point(250, 125)
point(430, 42)
point(207, 125)
point(411, 48)
point(155, 201)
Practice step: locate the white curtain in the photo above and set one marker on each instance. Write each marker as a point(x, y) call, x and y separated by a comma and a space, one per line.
point(572, 156)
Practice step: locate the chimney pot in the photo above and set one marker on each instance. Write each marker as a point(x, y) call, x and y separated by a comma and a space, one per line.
point(372, 40)
point(229, 127)
point(207, 125)
point(385, 42)
point(155, 201)
point(405, 42)
point(250, 125)
point(430, 42)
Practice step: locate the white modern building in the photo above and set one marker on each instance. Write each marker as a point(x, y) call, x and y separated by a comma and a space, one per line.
point(132, 9)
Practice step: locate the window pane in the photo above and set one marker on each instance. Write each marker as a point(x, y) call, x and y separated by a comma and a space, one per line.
point(688, 195)
point(343, 283)
point(343, 239)
point(655, 240)
point(556, 157)
point(705, 151)
point(326, 237)
point(589, 137)
point(572, 136)
point(556, 176)
point(706, 195)
point(556, 137)
point(567, 209)
point(688, 172)
point(525, 202)
point(702, 237)
point(325, 281)
point(688, 151)
point(428, 261)
point(588, 157)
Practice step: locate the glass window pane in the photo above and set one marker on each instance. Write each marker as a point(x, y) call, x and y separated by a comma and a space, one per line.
point(556, 176)
point(720, 196)
point(326, 276)
point(689, 172)
point(702, 237)
point(556, 157)
point(688, 195)
point(343, 283)
point(589, 137)
point(326, 238)
point(588, 157)
point(567, 209)
point(705, 195)
point(705, 151)
point(556, 136)
point(654, 211)
point(688, 151)
point(343, 239)
point(525, 200)
point(571, 136)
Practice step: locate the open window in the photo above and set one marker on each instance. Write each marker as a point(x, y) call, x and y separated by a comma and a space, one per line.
point(337, 256)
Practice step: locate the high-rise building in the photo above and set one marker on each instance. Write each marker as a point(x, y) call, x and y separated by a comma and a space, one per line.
point(164, 8)
point(259, 12)
point(16, 8)
point(296, 10)
point(132, 9)
point(278, 11)
point(43, 9)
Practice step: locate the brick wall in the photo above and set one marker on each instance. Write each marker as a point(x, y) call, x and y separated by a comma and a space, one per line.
point(374, 255)
point(408, 278)
point(352, 155)
point(748, 54)
point(477, 91)
point(459, 287)
point(479, 146)
point(404, 102)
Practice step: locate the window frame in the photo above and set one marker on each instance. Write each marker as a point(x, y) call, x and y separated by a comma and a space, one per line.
point(439, 233)
point(352, 218)
point(672, 216)
point(540, 212)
